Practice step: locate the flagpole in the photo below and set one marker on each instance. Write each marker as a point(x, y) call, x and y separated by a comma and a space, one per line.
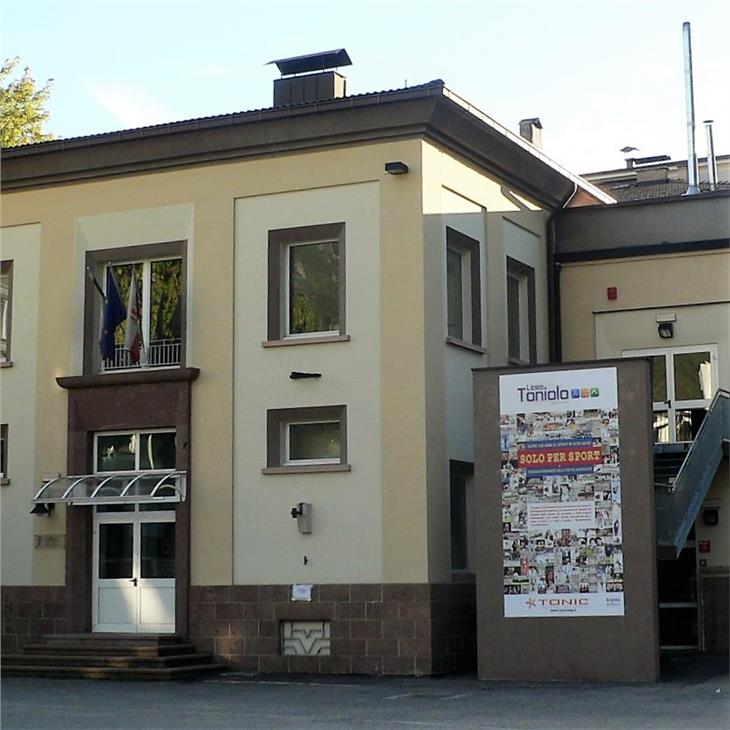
point(91, 276)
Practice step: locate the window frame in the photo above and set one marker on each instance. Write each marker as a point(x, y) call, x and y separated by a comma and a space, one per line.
point(96, 262)
point(471, 291)
point(4, 478)
point(278, 421)
point(6, 323)
point(280, 241)
point(463, 471)
point(525, 276)
point(137, 432)
point(286, 428)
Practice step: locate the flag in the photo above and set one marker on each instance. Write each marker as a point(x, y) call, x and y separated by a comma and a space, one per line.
point(114, 314)
point(133, 335)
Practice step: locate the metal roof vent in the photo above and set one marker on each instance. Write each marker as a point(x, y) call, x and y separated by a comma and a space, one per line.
point(309, 78)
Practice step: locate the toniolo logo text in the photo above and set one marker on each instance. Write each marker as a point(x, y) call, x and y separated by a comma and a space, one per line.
point(532, 393)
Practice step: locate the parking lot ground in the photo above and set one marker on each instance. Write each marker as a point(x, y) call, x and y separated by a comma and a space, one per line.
point(694, 694)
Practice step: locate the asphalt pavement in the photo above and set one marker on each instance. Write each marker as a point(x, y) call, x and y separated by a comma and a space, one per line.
point(691, 696)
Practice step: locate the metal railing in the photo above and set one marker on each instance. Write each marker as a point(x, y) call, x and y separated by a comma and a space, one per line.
point(677, 507)
point(158, 354)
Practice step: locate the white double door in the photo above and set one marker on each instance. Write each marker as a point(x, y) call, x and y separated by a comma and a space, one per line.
point(134, 571)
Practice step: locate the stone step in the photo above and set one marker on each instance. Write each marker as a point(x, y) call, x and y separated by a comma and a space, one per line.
point(109, 649)
point(113, 638)
point(122, 673)
point(83, 660)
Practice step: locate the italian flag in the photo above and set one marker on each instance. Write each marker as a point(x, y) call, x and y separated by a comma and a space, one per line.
point(133, 336)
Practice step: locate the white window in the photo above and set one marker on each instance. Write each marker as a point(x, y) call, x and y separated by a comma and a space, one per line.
point(160, 300)
point(307, 283)
point(684, 381)
point(120, 451)
point(312, 438)
point(314, 442)
point(6, 299)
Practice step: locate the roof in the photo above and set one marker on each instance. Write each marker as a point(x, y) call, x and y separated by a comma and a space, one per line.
point(649, 191)
point(430, 110)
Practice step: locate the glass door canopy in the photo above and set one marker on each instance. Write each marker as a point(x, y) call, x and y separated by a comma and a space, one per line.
point(127, 488)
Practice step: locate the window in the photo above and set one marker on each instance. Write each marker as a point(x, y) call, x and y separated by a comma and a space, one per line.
point(6, 303)
point(461, 475)
point(307, 283)
point(134, 451)
point(306, 439)
point(159, 273)
point(521, 324)
point(684, 380)
point(4, 454)
point(463, 290)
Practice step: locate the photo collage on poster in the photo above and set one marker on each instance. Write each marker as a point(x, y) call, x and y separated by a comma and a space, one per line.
point(561, 498)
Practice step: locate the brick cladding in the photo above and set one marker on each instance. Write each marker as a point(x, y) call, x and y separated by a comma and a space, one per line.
point(378, 629)
point(30, 612)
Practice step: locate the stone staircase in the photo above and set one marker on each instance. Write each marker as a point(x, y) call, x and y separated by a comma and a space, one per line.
point(111, 656)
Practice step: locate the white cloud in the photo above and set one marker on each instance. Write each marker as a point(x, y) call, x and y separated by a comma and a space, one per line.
point(132, 106)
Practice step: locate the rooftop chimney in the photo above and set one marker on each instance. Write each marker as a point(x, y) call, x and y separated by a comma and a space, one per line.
point(530, 130)
point(306, 79)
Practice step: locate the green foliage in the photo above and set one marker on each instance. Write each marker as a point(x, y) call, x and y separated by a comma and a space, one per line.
point(22, 107)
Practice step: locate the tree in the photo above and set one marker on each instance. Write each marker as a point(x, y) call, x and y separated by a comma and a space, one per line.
point(22, 107)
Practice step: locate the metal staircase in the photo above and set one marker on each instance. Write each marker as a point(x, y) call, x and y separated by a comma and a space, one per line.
point(682, 477)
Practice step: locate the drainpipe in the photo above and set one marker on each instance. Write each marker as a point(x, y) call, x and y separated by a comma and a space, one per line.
point(553, 283)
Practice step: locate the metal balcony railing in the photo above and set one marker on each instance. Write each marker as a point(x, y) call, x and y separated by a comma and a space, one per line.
point(677, 506)
point(158, 354)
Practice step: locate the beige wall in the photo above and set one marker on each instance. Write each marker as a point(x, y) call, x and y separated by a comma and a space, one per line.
point(651, 284)
point(21, 245)
point(458, 196)
point(719, 535)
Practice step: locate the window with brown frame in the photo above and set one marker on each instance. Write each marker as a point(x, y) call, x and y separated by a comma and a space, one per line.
point(521, 314)
point(306, 301)
point(4, 479)
point(6, 310)
point(307, 439)
point(160, 271)
point(463, 289)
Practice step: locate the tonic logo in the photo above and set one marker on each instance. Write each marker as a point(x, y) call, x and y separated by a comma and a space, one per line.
point(555, 602)
point(533, 393)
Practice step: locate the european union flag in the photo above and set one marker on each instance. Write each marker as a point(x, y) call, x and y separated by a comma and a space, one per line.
point(114, 314)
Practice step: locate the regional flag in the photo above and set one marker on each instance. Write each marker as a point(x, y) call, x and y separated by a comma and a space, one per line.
point(114, 314)
point(133, 335)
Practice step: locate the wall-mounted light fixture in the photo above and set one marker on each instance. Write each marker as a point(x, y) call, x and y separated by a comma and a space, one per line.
point(396, 168)
point(302, 513)
point(665, 325)
point(41, 509)
point(710, 517)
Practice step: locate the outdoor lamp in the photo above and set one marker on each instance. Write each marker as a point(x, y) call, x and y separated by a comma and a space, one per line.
point(41, 509)
point(666, 325)
point(396, 168)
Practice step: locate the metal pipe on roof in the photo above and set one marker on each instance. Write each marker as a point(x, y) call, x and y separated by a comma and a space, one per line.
point(692, 168)
point(711, 159)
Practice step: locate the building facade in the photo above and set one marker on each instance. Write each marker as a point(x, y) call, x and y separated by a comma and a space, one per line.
point(285, 476)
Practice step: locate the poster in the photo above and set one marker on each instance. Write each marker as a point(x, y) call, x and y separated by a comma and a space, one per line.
point(561, 494)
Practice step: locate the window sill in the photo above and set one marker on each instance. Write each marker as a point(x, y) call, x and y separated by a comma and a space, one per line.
point(72, 382)
point(305, 340)
point(4, 482)
point(309, 469)
point(462, 576)
point(6, 364)
point(465, 345)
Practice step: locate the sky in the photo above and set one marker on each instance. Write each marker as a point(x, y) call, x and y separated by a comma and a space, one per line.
point(600, 74)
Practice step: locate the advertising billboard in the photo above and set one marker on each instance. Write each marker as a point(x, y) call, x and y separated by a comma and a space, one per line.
point(561, 494)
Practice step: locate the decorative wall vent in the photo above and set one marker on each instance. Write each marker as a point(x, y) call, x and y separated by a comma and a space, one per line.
point(305, 638)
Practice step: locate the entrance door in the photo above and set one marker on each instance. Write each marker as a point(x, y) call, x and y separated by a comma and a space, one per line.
point(134, 569)
point(684, 379)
